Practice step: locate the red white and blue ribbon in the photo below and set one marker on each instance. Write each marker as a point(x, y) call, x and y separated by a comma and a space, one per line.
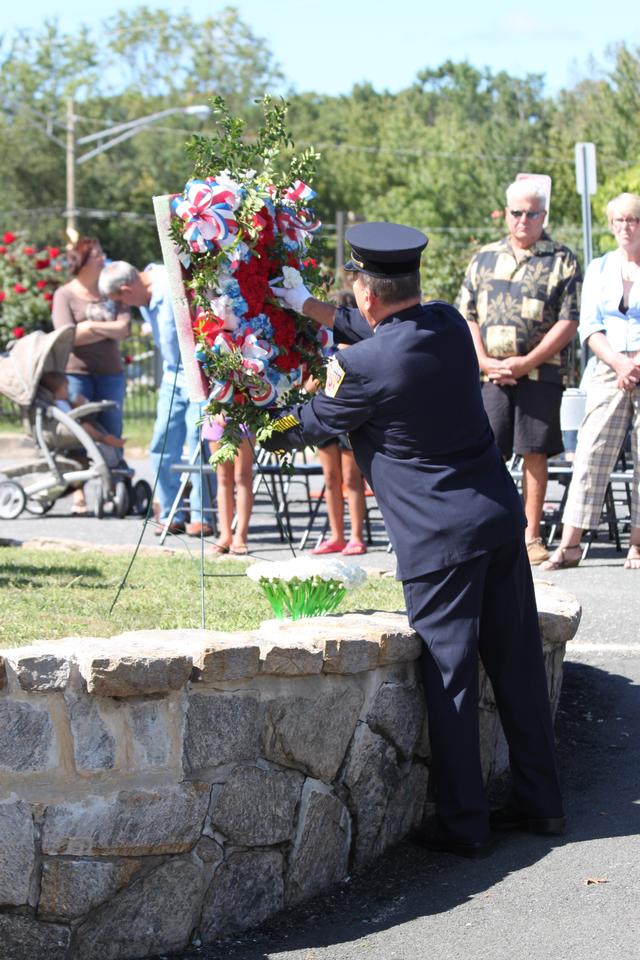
point(207, 209)
point(255, 355)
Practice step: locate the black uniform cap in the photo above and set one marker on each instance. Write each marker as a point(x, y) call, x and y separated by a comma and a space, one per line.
point(385, 249)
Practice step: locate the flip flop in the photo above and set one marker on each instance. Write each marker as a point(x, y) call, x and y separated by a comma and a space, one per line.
point(354, 549)
point(329, 546)
point(240, 550)
point(220, 548)
point(633, 557)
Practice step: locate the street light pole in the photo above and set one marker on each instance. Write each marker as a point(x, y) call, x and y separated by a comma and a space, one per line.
point(71, 212)
point(123, 130)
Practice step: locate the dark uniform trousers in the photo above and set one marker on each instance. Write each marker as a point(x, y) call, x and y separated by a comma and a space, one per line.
point(484, 606)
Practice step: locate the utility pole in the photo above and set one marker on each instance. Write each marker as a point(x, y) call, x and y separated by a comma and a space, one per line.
point(71, 212)
point(586, 185)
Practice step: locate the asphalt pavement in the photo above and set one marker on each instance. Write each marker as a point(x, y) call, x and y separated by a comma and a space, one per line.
point(569, 898)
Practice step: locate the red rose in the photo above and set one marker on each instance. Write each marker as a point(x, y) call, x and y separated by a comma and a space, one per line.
point(41, 284)
point(128, 358)
point(42, 264)
point(8, 237)
point(18, 288)
point(3, 296)
point(3, 249)
point(310, 262)
point(18, 332)
point(48, 296)
point(54, 252)
point(29, 251)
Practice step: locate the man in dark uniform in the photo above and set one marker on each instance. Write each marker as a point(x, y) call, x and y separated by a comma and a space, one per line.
point(408, 393)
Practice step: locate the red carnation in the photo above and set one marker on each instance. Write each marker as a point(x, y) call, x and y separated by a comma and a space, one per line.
point(48, 296)
point(128, 358)
point(54, 252)
point(18, 288)
point(42, 264)
point(310, 262)
point(252, 277)
point(8, 237)
point(18, 332)
point(29, 251)
point(3, 249)
point(41, 284)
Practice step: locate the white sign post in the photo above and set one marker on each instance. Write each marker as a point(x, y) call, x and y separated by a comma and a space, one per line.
point(586, 185)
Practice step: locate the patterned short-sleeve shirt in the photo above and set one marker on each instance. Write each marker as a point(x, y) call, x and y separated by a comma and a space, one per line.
point(515, 303)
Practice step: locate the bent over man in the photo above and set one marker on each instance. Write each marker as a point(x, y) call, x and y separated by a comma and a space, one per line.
point(408, 393)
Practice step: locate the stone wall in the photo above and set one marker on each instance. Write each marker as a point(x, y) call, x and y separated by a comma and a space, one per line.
point(163, 786)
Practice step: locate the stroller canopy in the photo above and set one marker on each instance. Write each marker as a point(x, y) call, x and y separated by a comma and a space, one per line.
point(27, 359)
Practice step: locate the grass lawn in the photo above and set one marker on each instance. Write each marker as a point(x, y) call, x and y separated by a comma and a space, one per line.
point(45, 595)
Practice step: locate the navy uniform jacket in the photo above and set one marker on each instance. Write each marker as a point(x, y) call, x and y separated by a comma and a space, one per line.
point(410, 401)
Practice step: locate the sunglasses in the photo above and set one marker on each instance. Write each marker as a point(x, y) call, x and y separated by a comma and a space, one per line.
point(529, 214)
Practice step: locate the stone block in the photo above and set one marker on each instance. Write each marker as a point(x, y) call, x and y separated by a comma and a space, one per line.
point(371, 776)
point(72, 888)
point(406, 807)
point(397, 714)
point(22, 938)
point(220, 728)
point(228, 656)
point(256, 807)
point(290, 660)
point(40, 670)
point(350, 655)
point(320, 854)
point(149, 726)
point(130, 823)
point(559, 613)
point(399, 644)
point(134, 664)
point(94, 746)
point(27, 739)
point(312, 735)
point(246, 889)
point(155, 914)
point(17, 852)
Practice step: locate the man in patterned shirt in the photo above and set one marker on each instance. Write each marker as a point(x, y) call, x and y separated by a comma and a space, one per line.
point(520, 297)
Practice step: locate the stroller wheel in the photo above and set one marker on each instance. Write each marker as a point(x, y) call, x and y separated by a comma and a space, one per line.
point(141, 497)
point(99, 502)
point(12, 500)
point(38, 507)
point(121, 500)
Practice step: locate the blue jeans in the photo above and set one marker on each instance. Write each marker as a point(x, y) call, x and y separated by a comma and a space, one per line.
point(179, 421)
point(101, 387)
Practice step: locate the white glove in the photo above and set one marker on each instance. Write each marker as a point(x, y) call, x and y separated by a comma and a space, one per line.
point(293, 298)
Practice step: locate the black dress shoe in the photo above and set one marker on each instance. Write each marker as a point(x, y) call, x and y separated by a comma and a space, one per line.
point(509, 818)
point(438, 841)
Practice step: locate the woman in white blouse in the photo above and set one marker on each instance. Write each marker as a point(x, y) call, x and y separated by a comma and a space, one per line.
point(610, 324)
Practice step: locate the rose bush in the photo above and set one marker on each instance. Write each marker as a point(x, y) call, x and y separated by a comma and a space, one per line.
point(28, 277)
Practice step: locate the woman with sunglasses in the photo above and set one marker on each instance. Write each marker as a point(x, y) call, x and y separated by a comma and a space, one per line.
point(610, 325)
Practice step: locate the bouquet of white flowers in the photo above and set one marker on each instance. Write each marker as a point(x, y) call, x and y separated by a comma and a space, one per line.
point(305, 588)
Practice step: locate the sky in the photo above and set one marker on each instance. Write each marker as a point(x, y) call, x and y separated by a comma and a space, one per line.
point(332, 45)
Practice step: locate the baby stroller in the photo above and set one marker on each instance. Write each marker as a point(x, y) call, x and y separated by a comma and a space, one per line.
point(65, 455)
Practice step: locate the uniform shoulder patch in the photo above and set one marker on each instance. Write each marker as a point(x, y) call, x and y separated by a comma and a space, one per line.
point(335, 376)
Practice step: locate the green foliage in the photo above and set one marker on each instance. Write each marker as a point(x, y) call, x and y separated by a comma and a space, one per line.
point(28, 277)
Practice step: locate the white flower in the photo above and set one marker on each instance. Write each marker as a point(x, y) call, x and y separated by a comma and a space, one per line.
point(223, 308)
point(291, 277)
point(305, 568)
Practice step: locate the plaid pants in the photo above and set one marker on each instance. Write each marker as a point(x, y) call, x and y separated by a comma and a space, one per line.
point(608, 415)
